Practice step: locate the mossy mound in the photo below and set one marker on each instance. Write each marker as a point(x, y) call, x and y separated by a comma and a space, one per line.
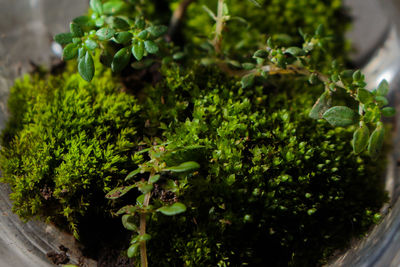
point(67, 143)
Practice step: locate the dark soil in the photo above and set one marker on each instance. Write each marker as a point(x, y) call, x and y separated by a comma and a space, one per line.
point(58, 257)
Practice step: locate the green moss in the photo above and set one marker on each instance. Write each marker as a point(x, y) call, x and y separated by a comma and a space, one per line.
point(276, 187)
point(68, 143)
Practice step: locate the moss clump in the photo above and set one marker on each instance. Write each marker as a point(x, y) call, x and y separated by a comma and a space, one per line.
point(67, 143)
point(275, 187)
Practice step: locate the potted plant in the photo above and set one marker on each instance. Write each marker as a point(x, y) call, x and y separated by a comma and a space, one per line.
point(215, 145)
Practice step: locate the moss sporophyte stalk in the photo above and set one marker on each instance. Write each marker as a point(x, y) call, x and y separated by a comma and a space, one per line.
point(216, 144)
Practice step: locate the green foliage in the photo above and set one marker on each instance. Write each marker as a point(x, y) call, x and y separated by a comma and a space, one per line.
point(67, 144)
point(108, 25)
point(273, 185)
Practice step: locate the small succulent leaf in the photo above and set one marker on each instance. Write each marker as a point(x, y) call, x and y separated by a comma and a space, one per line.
point(388, 112)
point(140, 200)
point(145, 187)
point(70, 51)
point(173, 209)
point(376, 141)
point(321, 105)
point(143, 34)
point(81, 52)
point(63, 38)
point(123, 37)
point(114, 7)
point(140, 23)
point(151, 46)
point(132, 174)
point(138, 50)
point(340, 116)
point(145, 237)
point(357, 75)
point(83, 21)
point(96, 6)
point(75, 29)
point(99, 22)
point(313, 79)
point(382, 101)
point(248, 66)
point(178, 55)
point(365, 96)
point(153, 179)
point(119, 23)
point(119, 191)
point(360, 139)
point(121, 59)
point(91, 44)
point(295, 51)
point(105, 33)
point(262, 53)
point(383, 88)
point(157, 31)
point(86, 67)
point(133, 250)
point(128, 221)
point(184, 167)
point(247, 81)
point(128, 209)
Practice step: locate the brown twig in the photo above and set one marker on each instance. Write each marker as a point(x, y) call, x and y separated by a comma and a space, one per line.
point(220, 23)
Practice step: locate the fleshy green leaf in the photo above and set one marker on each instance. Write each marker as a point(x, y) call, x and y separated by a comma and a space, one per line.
point(86, 67)
point(184, 167)
point(96, 6)
point(295, 51)
point(382, 101)
point(105, 33)
point(360, 139)
point(70, 51)
point(150, 46)
point(321, 105)
point(247, 81)
point(142, 64)
point(376, 141)
point(340, 116)
point(383, 88)
point(119, 23)
point(121, 59)
point(63, 38)
point(123, 37)
point(157, 31)
point(119, 191)
point(357, 75)
point(262, 53)
point(248, 66)
point(128, 221)
point(76, 30)
point(133, 250)
point(143, 34)
point(173, 209)
point(114, 7)
point(132, 174)
point(91, 44)
point(365, 96)
point(145, 187)
point(388, 112)
point(83, 21)
point(130, 209)
point(138, 50)
point(154, 178)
